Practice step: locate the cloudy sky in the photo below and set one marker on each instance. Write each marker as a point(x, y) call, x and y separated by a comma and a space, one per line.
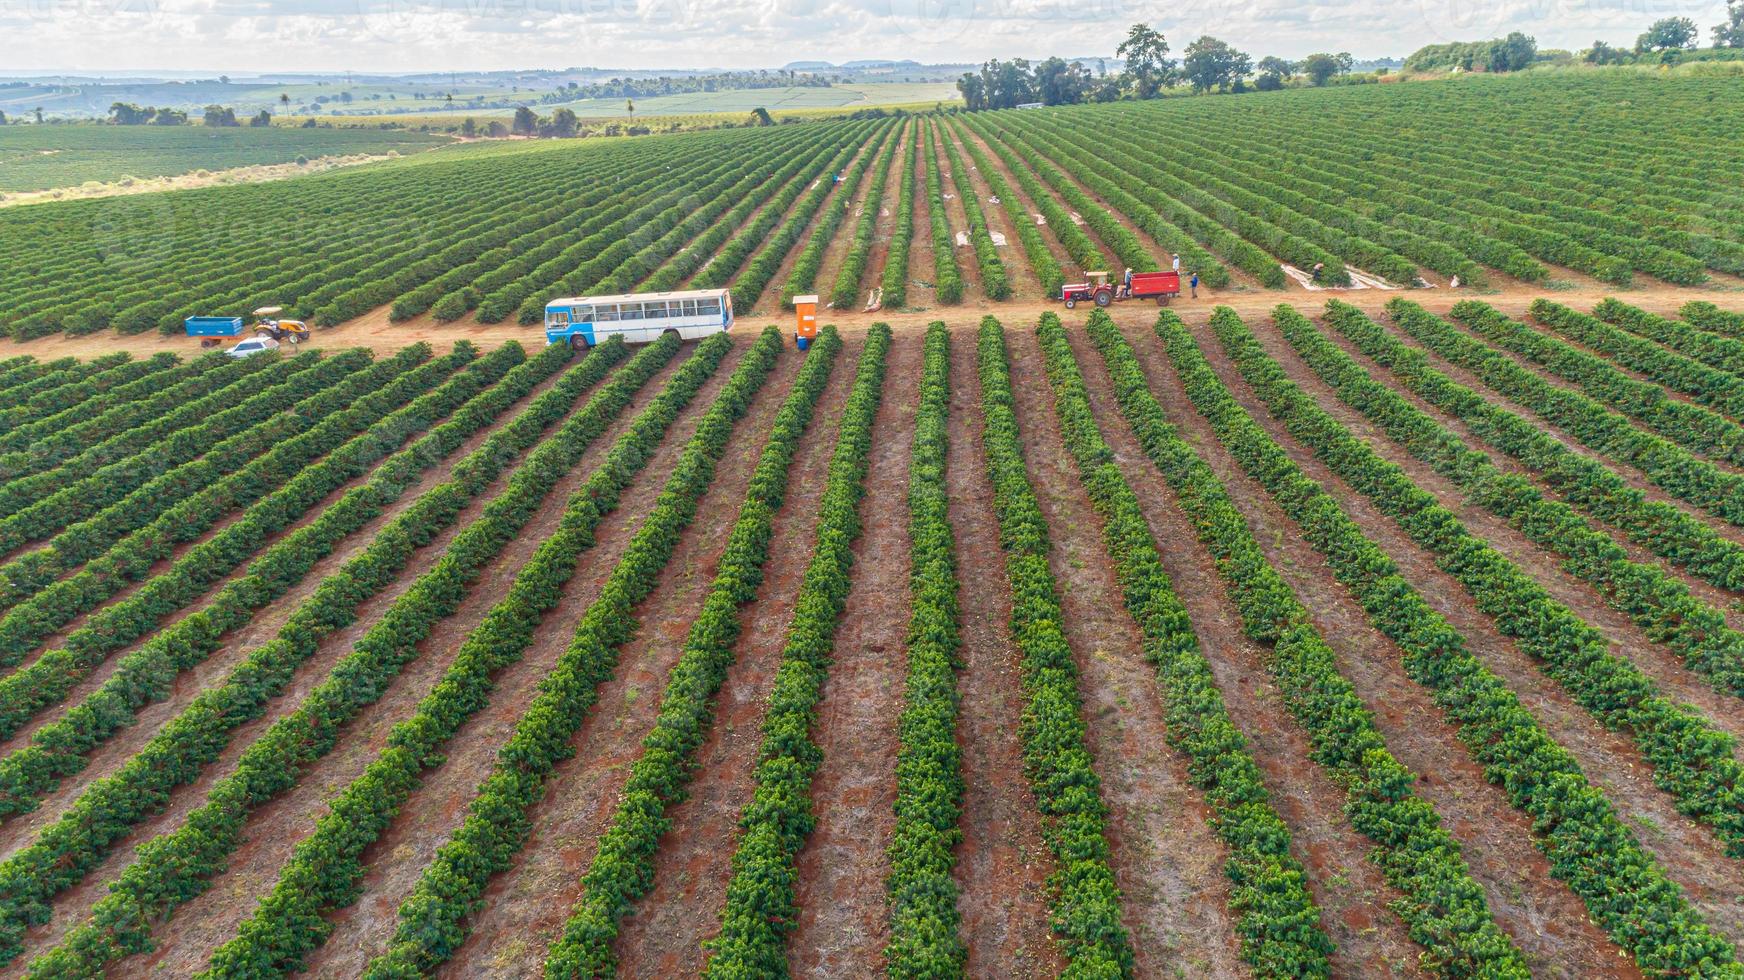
point(420, 35)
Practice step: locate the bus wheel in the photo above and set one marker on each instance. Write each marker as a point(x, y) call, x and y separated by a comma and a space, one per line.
point(673, 331)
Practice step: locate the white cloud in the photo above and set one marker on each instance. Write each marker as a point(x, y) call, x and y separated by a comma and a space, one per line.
point(421, 35)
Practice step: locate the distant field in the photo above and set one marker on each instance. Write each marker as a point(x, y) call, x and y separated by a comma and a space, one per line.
point(93, 100)
point(745, 100)
point(34, 158)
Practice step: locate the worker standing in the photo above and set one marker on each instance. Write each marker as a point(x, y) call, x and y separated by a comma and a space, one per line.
point(1177, 263)
point(1126, 283)
point(1193, 284)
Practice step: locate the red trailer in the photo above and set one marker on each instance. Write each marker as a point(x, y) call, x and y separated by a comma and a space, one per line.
point(1161, 286)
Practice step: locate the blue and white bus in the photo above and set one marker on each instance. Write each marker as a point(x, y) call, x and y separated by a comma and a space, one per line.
point(638, 317)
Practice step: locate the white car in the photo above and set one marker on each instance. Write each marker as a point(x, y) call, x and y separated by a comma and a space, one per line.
point(252, 346)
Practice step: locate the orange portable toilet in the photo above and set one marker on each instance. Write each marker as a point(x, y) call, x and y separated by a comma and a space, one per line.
point(805, 327)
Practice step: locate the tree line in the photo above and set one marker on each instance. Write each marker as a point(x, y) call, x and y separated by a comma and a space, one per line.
point(1669, 38)
point(647, 88)
point(1207, 65)
point(216, 116)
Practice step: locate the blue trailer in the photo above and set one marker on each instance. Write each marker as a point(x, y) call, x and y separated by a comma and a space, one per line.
point(210, 328)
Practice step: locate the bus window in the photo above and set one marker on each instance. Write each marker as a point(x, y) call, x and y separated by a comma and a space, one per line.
point(630, 311)
point(654, 310)
point(606, 314)
point(559, 318)
point(582, 314)
point(689, 306)
point(708, 307)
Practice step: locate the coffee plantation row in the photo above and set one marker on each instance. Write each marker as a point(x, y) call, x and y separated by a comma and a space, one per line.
point(461, 662)
point(1597, 178)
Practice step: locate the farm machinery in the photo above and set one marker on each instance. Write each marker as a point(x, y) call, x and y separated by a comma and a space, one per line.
point(1096, 288)
point(264, 322)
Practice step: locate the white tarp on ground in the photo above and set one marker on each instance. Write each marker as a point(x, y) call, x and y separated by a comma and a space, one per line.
point(1041, 220)
point(875, 299)
point(998, 238)
point(962, 239)
point(1368, 279)
point(1358, 280)
point(993, 199)
point(1077, 218)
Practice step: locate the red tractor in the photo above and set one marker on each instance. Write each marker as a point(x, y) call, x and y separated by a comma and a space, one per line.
point(1161, 286)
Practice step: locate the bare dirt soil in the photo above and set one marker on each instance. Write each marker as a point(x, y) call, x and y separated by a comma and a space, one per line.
point(1545, 920)
point(768, 303)
point(1002, 864)
point(75, 903)
point(956, 219)
point(529, 903)
point(843, 868)
point(1686, 850)
point(883, 233)
point(1025, 288)
point(373, 329)
point(1167, 859)
point(1349, 889)
point(276, 828)
point(662, 935)
point(261, 628)
point(1168, 863)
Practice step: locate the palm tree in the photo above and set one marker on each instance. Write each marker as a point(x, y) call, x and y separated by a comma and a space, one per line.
point(39, 114)
point(284, 102)
point(630, 107)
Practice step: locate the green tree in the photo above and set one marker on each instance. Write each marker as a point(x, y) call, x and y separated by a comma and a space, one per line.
point(38, 111)
point(1731, 33)
point(263, 118)
point(1148, 65)
point(219, 116)
point(1603, 54)
point(526, 122)
point(468, 127)
point(128, 114)
point(974, 92)
point(563, 123)
point(1512, 53)
point(1669, 34)
point(1320, 68)
point(1273, 73)
point(630, 108)
point(1213, 64)
point(1061, 82)
point(760, 117)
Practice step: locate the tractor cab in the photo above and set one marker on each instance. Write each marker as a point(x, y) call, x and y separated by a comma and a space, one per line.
point(1095, 287)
